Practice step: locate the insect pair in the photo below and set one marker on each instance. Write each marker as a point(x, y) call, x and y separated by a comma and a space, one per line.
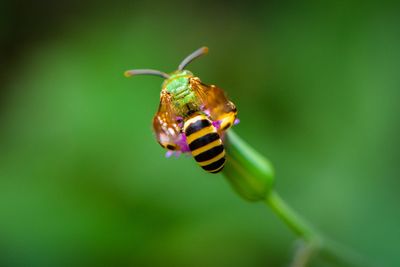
point(192, 116)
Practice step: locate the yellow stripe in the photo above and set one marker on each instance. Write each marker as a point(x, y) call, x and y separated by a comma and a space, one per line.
point(220, 156)
point(198, 134)
point(206, 147)
point(229, 118)
point(217, 168)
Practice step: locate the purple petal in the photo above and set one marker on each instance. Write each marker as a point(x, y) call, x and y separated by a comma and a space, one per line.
point(216, 124)
point(169, 153)
point(183, 143)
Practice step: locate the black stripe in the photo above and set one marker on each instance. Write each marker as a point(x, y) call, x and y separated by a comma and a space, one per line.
point(209, 154)
point(171, 147)
point(227, 126)
point(217, 170)
point(204, 140)
point(215, 165)
point(196, 126)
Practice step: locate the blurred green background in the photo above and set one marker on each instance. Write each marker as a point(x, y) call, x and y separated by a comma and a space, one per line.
point(83, 182)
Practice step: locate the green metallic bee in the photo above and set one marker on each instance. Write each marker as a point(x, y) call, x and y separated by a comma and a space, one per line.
point(192, 116)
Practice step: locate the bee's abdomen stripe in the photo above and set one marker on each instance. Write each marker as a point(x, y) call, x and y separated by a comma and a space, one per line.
point(196, 126)
point(204, 140)
point(214, 166)
point(217, 170)
point(209, 154)
point(226, 126)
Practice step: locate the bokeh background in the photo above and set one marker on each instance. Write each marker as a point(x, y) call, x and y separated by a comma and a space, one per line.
point(83, 182)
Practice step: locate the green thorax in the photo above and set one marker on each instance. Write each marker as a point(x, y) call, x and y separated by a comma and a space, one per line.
point(183, 98)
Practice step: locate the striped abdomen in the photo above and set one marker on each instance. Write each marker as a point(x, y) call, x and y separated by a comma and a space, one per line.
point(205, 143)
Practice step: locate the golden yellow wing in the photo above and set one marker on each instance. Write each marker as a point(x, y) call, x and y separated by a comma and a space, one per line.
point(215, 102)
point(166, 124)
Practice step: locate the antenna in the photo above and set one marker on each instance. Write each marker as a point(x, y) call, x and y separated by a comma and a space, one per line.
point(199, 52)
point(130, 73)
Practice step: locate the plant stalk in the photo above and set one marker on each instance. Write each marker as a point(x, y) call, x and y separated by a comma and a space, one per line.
point(252, 177)
point(315, 243)
point(291, 218)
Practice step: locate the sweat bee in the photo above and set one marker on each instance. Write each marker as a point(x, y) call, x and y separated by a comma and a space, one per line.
point(192, 116)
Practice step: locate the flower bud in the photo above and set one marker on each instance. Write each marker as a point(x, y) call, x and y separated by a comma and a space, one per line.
point(249, 173)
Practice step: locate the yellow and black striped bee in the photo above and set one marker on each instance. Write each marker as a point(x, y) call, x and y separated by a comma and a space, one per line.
point(192, 116)
point(204, 142)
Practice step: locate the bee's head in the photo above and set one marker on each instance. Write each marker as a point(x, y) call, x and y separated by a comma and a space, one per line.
point(179, 73)
point(178, 79)
point(181, 68)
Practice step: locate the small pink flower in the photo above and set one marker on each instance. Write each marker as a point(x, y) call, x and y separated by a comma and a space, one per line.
point(216, 124)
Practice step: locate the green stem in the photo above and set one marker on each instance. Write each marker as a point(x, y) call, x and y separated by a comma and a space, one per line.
point(291, 218)
point(252, 177)
point(315, 243)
